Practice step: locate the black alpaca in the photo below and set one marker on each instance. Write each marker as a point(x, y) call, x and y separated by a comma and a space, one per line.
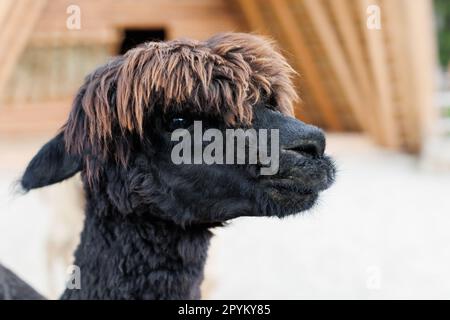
point(147, 223)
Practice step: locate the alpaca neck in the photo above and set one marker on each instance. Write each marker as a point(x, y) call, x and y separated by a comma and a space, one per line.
point(125, 258)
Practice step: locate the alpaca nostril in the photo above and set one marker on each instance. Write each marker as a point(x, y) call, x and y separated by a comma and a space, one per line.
point(313, 148)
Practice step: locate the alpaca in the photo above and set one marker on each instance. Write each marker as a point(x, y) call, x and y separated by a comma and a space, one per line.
point(147, 220)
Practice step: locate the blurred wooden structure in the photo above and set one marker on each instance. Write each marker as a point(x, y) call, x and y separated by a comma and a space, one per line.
point(44, 62)
point(352, 78)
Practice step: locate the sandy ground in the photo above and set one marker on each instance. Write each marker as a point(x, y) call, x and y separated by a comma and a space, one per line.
point(382, 231)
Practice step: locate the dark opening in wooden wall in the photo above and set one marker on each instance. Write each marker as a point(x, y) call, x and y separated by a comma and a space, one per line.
point(134, 37)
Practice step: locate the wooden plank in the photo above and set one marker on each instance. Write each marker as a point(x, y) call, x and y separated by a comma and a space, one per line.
point(252, 14)
point(346, 24)
point(106, 14)
point(102, 19)
point(382, 86)
point(421, 49)
point(5, 9)
point(336, 57)
point(394, 21)
point(34, 118)
point(196, 29)
point(56, 38)
point(255, 20)
point(306, 61)
point(15, 32)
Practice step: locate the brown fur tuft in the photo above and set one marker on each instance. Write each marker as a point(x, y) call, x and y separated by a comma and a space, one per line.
point(225, 75)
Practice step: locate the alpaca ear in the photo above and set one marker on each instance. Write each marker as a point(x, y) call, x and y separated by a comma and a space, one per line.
point(50, 165)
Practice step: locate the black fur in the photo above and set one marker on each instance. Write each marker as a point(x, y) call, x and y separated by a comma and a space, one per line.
point(146, 232)
point(13, 288)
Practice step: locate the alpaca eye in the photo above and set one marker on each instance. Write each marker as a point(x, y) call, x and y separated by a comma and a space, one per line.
point(179, 123)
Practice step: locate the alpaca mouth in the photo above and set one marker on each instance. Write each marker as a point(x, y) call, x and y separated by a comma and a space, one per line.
point(298, 186)
point(298, 183)
point(307, 177)
point(292, 190)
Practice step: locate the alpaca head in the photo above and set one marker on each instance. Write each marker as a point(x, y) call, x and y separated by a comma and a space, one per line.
point(120, 135)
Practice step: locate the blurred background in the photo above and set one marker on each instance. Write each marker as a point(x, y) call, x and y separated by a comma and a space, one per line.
point(373, 73)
